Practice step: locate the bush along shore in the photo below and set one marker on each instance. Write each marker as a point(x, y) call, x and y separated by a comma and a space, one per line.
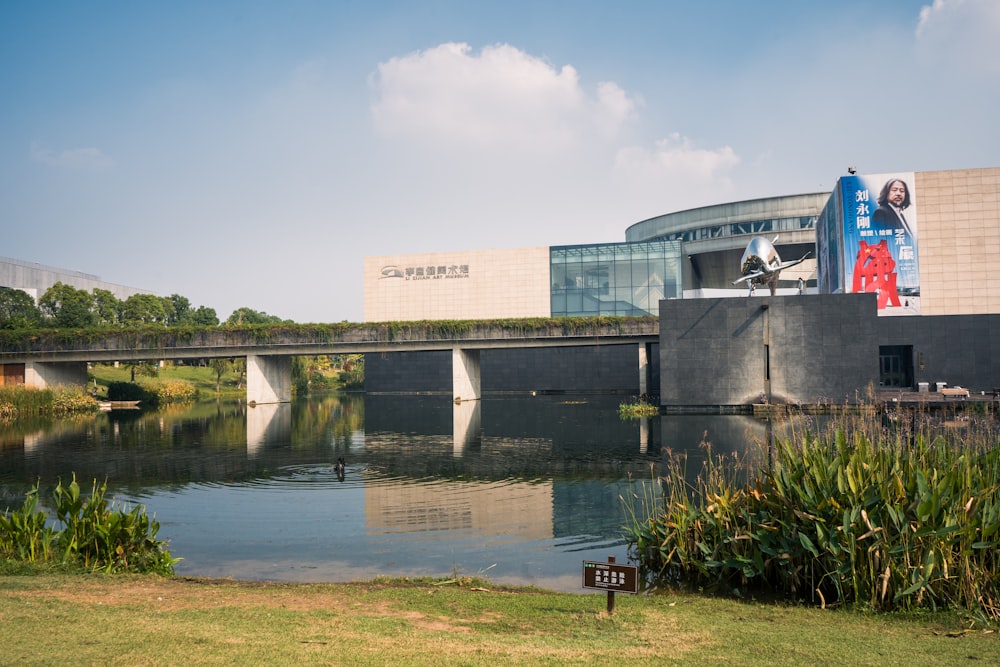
point(19, 401)
point(897, 517)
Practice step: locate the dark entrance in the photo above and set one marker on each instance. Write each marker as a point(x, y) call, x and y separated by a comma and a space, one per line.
point(895, 366)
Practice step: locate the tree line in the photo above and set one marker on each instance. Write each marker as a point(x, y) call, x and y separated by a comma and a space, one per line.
point(64, 306)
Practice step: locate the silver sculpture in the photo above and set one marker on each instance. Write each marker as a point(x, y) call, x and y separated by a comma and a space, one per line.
point(762, 265)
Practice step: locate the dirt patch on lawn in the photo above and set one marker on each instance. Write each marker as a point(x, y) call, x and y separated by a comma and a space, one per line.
point(182, 594)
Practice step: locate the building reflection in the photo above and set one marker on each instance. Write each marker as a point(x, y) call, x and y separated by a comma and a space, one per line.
point(519, 509)
point(534, 468)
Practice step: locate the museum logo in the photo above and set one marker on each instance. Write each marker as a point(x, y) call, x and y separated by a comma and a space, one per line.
point(438, 272)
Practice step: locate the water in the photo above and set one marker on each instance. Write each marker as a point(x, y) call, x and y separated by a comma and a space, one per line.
point(519, 490)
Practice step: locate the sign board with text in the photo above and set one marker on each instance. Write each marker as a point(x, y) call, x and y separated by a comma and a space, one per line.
point(610, 577)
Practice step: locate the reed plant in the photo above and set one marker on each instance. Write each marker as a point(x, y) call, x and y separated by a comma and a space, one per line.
point(19, 401)
point(902, 516)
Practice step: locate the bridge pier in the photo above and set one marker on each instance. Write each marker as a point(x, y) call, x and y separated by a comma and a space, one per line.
point(44, 374)
point(269, 379)
point(465, 376)
point(643, 369)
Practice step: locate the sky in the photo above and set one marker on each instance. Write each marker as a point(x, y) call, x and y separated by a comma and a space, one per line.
point(250, 154)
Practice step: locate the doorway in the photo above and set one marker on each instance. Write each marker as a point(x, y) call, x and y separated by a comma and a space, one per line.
point(895, 366)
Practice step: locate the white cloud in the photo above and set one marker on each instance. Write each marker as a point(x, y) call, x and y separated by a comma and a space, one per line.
point(965, 33)
point(678, 156)
point(500, 97)
point(74, 158)
point(675, 174)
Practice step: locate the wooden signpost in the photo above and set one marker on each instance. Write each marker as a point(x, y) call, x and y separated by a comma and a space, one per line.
point(610, 577)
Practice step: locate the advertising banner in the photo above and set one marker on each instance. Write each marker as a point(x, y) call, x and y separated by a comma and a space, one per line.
point(880, 240)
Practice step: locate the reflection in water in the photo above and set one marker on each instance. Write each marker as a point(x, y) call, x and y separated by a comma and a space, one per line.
point(524, 487)
point(467, 420)
point(268, 424)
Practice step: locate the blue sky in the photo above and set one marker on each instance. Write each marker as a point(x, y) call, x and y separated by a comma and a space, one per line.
point(253, 153)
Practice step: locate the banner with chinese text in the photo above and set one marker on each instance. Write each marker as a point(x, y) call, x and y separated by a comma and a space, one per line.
point(880, 240)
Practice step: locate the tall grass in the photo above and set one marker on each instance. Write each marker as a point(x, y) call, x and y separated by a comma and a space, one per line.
point(18, 401)
point(894, 518)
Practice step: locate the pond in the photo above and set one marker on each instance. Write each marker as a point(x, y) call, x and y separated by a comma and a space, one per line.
point(519, 489)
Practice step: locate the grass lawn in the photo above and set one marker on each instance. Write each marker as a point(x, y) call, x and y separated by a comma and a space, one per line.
point(202, 377)
point(59, 619)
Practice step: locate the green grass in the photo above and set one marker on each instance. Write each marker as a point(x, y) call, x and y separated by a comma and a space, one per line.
point(58, 619)
point(201, 377)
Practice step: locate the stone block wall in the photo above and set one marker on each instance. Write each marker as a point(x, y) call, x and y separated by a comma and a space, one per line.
point(783, 349)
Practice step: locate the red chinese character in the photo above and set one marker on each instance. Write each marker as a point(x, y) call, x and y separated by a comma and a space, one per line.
point(874, 271)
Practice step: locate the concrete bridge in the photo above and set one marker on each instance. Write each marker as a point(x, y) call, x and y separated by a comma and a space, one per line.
point(61, 356)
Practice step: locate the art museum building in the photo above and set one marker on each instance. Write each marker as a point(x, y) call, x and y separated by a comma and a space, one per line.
point(906, 302)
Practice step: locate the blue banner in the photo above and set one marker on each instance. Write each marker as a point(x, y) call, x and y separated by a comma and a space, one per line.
point(880, 240)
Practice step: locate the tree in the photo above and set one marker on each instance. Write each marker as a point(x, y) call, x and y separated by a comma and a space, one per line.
point(180, 310)
point(143, 309)
point(221, 367)
point(67, 306)
point(250, 316)
point(18, 310)
point(205, 317)
point(240, 368)
point(107, 307)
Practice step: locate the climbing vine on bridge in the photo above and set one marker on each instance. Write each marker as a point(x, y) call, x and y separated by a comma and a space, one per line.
point(161, 337)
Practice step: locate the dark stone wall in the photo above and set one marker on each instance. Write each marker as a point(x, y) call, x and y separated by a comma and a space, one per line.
point(408, 372)
point(588, 369)
point(601, 369)
point(783, 349)
point(962, 350)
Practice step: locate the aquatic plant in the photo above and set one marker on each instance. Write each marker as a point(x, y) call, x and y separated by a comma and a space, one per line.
point(94, 534)
point(636, 409)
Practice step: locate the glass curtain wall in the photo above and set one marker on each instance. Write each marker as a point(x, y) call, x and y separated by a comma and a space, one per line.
point(614, 278)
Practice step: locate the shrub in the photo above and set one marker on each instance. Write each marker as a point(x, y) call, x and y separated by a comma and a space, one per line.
point(353, 379)
point(68, 400)
point(172, 391)
point(153, 393)
point(127, 391)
